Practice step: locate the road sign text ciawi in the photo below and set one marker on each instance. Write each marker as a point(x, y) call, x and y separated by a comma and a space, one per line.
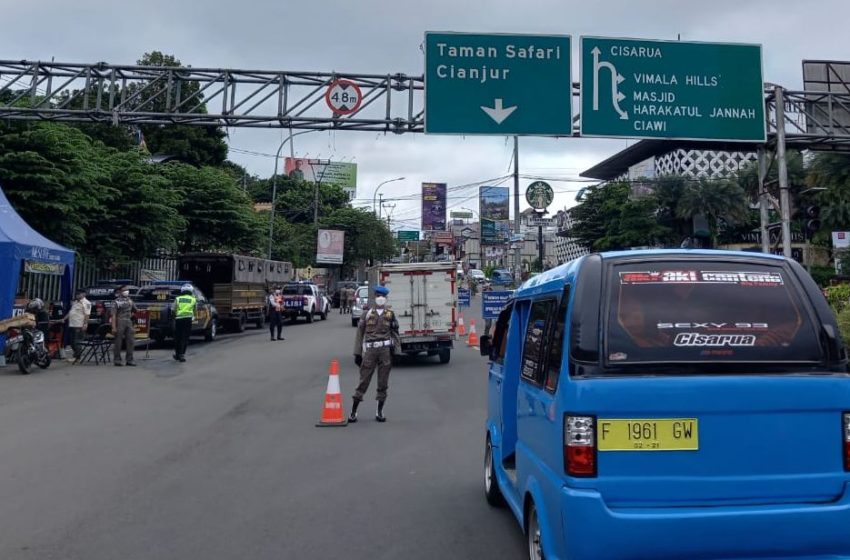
point(644, 88)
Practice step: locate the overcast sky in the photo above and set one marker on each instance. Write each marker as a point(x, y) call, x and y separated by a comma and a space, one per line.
point(381, 36)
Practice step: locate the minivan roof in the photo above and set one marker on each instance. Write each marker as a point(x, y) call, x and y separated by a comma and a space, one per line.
point(560, 273)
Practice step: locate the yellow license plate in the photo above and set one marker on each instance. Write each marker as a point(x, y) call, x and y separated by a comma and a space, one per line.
point(667, 434)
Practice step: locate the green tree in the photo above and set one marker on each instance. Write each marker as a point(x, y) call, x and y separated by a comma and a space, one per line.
point(609, 219)
point(832, 171)
point(219, 215)
point(142, 213)
point(195, 145)
point(55, 176)
point(716, 200)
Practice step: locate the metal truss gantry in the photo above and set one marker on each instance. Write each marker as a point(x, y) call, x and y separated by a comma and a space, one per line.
point(135, 95)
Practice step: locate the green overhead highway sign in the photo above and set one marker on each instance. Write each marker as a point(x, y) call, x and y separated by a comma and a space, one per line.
point(498, 84)
point(671, 89)
point(407, 235)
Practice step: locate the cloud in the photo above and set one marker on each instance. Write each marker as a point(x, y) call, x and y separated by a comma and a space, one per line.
point(380, 36)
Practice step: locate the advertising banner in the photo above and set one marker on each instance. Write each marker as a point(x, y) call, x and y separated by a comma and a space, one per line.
point(433, 206)
point(330, 246)
point(494, 204)
point(142, 324)
point(841, 239)
point(323, 171)
point(494, 302)
point(39, 267)
point(464, 297)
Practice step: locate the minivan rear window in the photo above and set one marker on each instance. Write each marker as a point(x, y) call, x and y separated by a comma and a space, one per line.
point(706, 312)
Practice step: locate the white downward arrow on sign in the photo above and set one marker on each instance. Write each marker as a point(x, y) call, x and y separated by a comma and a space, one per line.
point(497, 112)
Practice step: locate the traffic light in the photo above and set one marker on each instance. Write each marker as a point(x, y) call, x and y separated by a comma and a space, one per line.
point(812, 220)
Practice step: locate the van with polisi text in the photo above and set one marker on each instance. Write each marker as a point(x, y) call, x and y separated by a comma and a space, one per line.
point(671, 404)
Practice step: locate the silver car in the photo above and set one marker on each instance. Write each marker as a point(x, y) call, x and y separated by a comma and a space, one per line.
point(361, 298)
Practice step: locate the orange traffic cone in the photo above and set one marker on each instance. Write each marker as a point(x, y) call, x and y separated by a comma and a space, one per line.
point(333, 413)
point(461, 330)
point(473, 336)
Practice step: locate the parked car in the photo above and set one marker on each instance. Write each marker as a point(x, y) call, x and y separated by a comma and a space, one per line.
point(303, 299)
point(641, 394)
point(361, 300)
point(477, 275)
point(502, 277)
point(101, 295)
point(158, 298)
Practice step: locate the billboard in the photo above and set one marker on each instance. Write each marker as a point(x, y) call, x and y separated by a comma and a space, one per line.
point(330, 246)
point(323, 171)
point(433, 206)
point(494, 209)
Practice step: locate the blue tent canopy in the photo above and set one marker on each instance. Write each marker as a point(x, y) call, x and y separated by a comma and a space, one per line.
point(23, 247)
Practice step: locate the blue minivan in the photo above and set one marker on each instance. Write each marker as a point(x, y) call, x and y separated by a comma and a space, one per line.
point(671, 404)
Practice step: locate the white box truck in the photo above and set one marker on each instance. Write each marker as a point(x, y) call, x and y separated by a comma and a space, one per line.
point(424, 299)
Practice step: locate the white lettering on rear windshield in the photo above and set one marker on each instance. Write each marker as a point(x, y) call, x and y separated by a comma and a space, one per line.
point(702, 277)
point(697, 339)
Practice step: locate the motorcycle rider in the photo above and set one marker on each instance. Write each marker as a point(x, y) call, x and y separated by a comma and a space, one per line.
point(42, 319)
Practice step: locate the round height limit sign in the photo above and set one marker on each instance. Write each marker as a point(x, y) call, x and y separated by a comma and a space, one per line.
point(343, 97)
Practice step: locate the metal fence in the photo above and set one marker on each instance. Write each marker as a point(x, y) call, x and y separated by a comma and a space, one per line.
point(89, 271)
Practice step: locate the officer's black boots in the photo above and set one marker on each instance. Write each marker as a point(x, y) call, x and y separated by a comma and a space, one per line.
point(379, 414)
point(352, 418)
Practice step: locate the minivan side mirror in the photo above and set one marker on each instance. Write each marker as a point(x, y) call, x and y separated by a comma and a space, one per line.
point(485, 344)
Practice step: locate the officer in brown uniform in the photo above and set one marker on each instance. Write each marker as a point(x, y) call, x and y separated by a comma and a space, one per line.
point(373, 348)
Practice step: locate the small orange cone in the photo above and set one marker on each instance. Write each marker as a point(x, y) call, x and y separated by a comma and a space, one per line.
point(473, 336)
point(461, 330)
point(333, 413)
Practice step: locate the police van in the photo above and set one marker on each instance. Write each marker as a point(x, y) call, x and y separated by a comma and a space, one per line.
point(671, 404)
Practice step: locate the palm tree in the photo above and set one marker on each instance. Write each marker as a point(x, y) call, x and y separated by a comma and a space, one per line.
point(714, 199)
point(832, 171)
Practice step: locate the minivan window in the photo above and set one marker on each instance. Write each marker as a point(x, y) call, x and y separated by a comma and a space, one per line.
point(500, 334)
point(556, 349)
point(708, 313)
point(533, 348)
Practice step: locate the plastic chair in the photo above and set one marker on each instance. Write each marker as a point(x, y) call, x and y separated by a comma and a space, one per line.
point(97, 346)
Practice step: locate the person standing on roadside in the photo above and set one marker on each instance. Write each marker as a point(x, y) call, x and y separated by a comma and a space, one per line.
point(78, 322)
point(122, 326)
point(373, 347)
point(184, 314)
point(275, 304)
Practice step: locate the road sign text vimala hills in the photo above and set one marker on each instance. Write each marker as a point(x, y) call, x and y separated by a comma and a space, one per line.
point(671, 89)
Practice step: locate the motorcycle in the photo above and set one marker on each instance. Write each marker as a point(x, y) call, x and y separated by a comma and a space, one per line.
point(28, 348)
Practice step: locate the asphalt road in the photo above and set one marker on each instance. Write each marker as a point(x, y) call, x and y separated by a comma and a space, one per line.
point(218, 458)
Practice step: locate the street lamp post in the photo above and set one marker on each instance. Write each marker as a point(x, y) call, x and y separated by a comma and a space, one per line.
point(375, 194)
point(274, 178)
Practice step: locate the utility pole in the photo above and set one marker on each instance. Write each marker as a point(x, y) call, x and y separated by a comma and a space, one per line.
point(784, 195)
point(540, 247)
point(380, 205)
point(763, 202)
point(518, 250)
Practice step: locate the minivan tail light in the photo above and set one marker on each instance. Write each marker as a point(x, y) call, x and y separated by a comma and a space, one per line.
point(846, 436)
point(580, 446)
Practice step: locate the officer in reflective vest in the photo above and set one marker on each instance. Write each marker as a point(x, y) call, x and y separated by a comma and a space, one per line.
point(373, 347)
point(184, 313)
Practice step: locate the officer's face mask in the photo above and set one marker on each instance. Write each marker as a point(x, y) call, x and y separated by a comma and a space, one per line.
point(380, 301)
